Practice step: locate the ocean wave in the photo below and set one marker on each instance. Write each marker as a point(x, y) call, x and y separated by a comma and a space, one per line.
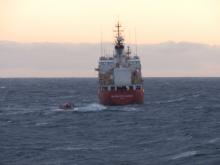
point(170, 101)
point(2, 87)
point(180, 99)
point(73, 148)
point(20, 111)
point(184, 155)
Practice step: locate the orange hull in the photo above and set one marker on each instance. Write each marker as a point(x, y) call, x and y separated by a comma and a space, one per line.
point(121, 97)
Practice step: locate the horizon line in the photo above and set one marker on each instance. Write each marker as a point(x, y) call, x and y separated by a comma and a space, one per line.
point(69, 77)
point(105, 42)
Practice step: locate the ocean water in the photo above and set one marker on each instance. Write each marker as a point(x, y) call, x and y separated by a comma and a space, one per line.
point(179, 123)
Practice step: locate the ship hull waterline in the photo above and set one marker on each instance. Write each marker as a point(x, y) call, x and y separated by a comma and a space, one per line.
point(121, 97)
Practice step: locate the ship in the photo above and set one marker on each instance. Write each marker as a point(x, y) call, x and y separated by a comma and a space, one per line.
point(119, 76)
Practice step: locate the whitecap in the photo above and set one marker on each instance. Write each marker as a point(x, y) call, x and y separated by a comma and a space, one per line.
point(131, 109)
point(198, 107)
point(72, 148)
point(171, 100)
point(123, 108)
point(65, 110)
point(41, 124)
point(214, 140)
point(90, 108)
point(196, 95)
point(2, 87)
point(128, 108)
point(18, 112)
point(184, 155)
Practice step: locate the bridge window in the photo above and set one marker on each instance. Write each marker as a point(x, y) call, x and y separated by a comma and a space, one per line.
point(138, 87)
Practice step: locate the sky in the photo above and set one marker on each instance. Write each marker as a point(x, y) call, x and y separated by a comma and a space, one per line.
point(61, 38)
point(81, 21)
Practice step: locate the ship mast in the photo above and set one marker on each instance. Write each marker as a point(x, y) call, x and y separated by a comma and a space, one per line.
point(118, 26)
point(119, 45)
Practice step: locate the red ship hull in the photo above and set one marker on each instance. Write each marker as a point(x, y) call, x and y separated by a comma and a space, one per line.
point(121, 97)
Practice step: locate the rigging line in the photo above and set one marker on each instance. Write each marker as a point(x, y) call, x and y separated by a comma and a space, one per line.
point(101, 41)
point(136, 49)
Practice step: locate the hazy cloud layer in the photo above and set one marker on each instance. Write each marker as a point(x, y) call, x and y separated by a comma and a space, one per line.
point(77, 60)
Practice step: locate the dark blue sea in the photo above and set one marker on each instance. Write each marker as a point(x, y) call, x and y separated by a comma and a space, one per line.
point(179, 123)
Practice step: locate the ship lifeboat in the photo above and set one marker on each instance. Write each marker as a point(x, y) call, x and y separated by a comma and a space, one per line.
point(66, 106)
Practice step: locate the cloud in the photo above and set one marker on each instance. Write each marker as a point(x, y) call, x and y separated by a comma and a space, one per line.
point(180, 59)
point(79, 60)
